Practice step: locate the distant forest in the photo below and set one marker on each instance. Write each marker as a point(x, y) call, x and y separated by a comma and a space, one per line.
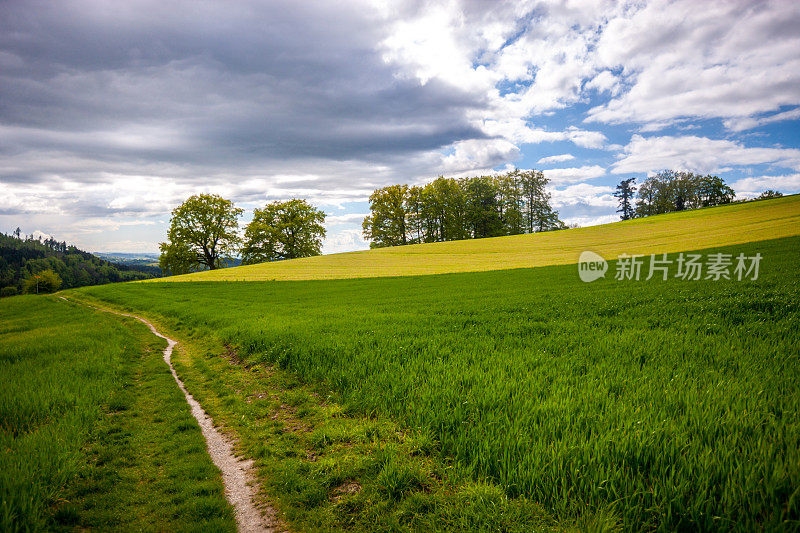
point(23, 257)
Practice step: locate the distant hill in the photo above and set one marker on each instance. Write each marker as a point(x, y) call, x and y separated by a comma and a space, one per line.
point(694, 229)
point(22, 257)
point(142, 262)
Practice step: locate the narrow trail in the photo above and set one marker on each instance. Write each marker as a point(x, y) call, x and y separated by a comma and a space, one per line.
point(235, 473)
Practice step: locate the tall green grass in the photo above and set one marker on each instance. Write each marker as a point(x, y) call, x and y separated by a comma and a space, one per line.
point(668, 404)
point(94, 433)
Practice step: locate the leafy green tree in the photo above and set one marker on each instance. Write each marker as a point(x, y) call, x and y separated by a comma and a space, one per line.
point(646, 199)
point(483, 213)
point(415, 214)
point(675, 191)
point(284, 230)
point(510, 202)
point(539, 214)
point(387, 225)
point(712, 190)
point(769, 193)
point(535, 197)
point(449, 201)
point(42, 282)
point(683, 190)
point(178, 258)
point(449, 209)
point(624, 193)
point(203, 233)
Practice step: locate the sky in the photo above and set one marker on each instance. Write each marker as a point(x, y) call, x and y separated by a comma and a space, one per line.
point(113, 113)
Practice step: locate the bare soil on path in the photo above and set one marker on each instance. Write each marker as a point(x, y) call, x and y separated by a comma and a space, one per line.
point(237, 475)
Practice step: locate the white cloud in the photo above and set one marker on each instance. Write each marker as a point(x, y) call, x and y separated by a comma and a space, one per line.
point(592, 221)
point(698, 154)
point(583, 194)
point(560, 176)
point(40, 235)
point(729, 60)
point(331, 220)
point(99, 225)
point(478, 155)
point(749, 187)
point(555, 159)
point(345, 241)
point(746, 123)
point(605, 82)
point(586, 139)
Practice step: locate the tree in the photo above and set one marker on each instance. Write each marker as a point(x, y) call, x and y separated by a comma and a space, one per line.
point(284, 230)
point(769, 193)
point(539, 214)
point(387, 225)
point(482, 208)
point(511, 203)
point(42, 282)
point(684, 190)
point(646, 199)
point(712, 190)
point(624, 193)
point(177, 258)
point(448, 209)
point(415, 215)
point(202, 234)
point(675, 191)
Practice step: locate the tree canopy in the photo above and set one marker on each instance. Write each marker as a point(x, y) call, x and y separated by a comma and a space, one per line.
point(676, 191)
point(284, 230)
point(203, 233)
point(769, 193)
point(449, 209)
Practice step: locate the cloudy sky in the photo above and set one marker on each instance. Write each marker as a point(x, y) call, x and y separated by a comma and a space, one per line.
point(112, 113)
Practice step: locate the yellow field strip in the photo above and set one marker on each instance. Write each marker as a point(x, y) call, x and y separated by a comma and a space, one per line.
point(673, 232)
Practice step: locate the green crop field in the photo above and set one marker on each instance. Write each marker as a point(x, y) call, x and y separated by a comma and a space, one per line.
point(93, 431)
point(504, 399)
point(687, 230)
point(656, 404)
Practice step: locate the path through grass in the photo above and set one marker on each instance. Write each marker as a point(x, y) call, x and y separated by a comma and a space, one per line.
point(94, 432)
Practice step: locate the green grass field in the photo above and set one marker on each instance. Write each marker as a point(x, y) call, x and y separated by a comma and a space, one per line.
point(503, 399)
point(674, 232)
point(661, 404)
point(94, 432)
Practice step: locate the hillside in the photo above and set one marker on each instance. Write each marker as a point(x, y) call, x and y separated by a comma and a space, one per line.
point(673, 232)
point(519, 389)
point(21, 258)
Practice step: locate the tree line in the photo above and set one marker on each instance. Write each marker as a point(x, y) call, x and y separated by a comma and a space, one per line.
point(204, 230)
point(448, 209)
point(670, 191)
point(204, 234)
point(29, 265)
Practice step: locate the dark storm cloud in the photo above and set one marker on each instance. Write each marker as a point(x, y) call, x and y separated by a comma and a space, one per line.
point(211, 84)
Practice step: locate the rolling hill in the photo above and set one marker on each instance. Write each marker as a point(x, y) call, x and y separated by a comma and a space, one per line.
point(672, 232)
